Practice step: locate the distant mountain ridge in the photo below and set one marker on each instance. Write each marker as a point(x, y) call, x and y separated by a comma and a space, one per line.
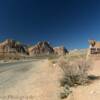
point(10, 46)
point(44, 47)
point(41, 48)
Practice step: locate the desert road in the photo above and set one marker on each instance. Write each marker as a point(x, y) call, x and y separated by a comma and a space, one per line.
point(29, 80)
point(11, 71)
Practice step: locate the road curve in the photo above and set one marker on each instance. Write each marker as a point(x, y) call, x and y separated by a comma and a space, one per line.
point(29, 80)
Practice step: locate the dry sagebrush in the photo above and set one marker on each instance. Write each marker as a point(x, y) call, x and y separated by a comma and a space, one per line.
point(75, 72)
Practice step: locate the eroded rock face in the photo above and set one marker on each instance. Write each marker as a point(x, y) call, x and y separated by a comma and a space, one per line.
point(42, 48)
point(60, 50)
point(11, 46)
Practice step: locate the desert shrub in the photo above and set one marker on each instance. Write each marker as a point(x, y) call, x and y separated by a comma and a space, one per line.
point(75, 72)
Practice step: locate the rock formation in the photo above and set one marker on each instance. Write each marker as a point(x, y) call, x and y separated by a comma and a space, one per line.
point(41, 48)
point(60, 50)
point(44, 48)
point(11, 46)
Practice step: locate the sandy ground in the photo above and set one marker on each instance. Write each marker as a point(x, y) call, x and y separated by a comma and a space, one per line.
point(89, 92)
point(37, 80)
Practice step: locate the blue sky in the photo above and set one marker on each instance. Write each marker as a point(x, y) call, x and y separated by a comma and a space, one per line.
point(61, 22)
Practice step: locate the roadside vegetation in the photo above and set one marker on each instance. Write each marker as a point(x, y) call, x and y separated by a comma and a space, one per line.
point(74, 74)
point(75, 71)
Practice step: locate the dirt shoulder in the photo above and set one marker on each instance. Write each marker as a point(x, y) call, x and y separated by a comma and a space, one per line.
point(89, 92)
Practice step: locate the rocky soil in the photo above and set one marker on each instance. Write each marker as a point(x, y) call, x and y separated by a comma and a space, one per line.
point(91, 91)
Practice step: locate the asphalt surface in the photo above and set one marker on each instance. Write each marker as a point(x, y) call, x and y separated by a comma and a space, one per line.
point(29, 80)
point(11, 72)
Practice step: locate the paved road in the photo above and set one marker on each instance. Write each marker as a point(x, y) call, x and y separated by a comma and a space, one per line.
point(7, 66)
point(12, 73)
point(35, 80)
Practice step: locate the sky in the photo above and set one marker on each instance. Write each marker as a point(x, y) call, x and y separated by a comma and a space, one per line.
point(61, 22)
